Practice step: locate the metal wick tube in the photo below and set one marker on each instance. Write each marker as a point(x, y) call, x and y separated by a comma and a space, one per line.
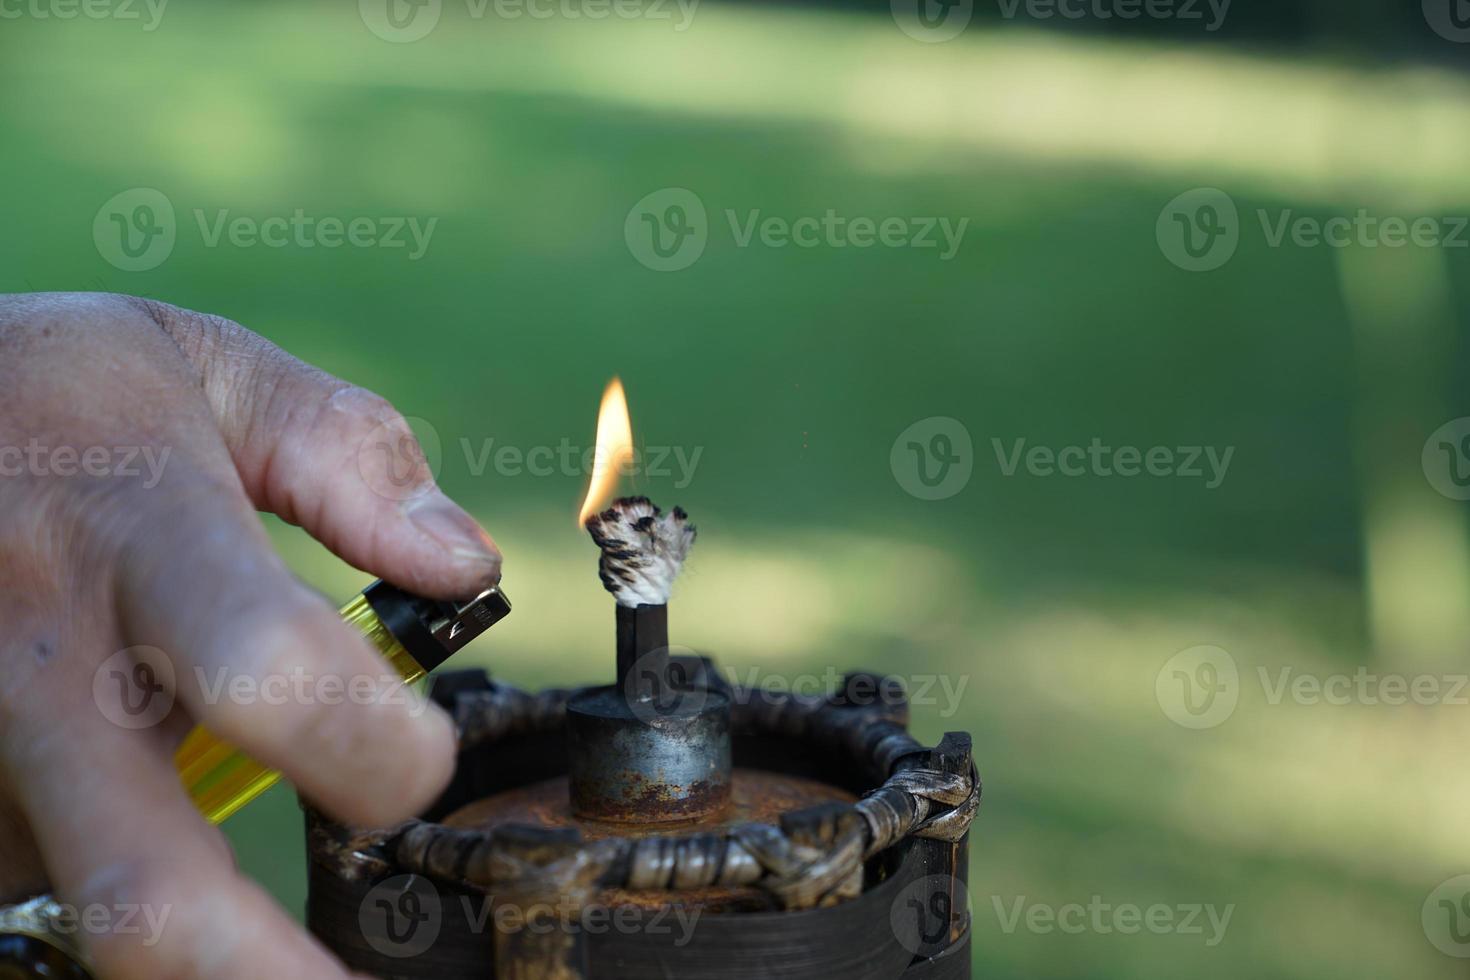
point(654, 747)
point(643, 651)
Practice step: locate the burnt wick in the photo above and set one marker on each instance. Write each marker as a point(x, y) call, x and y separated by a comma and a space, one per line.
point(643, 550)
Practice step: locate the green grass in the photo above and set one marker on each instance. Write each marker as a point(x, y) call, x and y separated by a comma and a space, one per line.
point(1055, 600)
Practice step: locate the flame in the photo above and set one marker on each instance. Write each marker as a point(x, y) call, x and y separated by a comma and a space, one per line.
point(614, 450)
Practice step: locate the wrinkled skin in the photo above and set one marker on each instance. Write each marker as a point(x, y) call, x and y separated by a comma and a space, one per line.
point(177, 559)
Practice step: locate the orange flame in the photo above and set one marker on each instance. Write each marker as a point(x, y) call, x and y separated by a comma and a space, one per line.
point(614, 450)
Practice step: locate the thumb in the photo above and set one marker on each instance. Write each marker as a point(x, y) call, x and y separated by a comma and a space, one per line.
point(334, 458)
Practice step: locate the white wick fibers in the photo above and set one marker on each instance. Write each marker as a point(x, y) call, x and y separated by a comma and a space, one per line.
point(642, 549)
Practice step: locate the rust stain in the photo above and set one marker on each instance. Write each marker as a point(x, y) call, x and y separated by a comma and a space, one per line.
point(755, 796)
point(650, 801)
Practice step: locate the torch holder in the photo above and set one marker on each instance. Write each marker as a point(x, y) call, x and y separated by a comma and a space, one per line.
point(837, 846)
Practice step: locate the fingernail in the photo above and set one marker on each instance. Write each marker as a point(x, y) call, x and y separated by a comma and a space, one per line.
point(452, 529)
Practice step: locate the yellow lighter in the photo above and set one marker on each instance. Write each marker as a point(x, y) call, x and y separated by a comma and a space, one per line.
point(414, 634)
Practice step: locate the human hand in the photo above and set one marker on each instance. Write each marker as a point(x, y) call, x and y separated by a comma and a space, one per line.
point(99, 555)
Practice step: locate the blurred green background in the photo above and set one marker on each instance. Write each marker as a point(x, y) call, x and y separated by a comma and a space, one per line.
point(1049, 605)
